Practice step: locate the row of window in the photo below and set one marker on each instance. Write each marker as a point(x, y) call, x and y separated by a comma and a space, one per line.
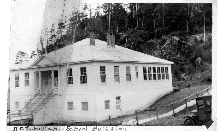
point(149, 73)
point(85, 105)
point(26, 79)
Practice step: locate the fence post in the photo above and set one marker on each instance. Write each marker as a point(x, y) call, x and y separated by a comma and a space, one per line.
point(207, 90)
point(136, 117)
point(186, 105)
point(110, 120)
point(197, 94)
point(173, 110)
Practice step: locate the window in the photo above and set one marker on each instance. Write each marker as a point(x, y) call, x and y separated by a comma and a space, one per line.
point(16, 80)
point(107, 104)
point(70, 105)
point(70, 76)
point(116, 73)
point(136, 70)
point(102, 74)
point(166, 71)
point(149, 73)
point(162, 72)
point(56, 78)
point(158, 73)
point(17, 105)
point(145, 73)
point(83, 77)
point(154, 73)
point(128, 73)
point(118, 103)
point(26, 79)
point(85, 106)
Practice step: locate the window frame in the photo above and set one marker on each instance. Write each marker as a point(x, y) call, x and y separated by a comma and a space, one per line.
point(17, 80)
point(102, 74)
point(85, 108)
point(83, 76)
point(154, 73)
point(159, 75)
point(150, 73)
point(70, 76)
point(128, 74)
point(163, 77)
point(26, 80)
point(166, 69)
point(69, 107)
point(116, 74)
point(107, 102)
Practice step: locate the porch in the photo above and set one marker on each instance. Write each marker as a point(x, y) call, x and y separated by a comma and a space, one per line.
point(47, 82)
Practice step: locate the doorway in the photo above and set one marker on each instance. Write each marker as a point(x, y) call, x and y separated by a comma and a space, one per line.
point(46, 83)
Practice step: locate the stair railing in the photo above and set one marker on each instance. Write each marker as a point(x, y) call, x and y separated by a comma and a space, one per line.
point(35, 95)
point(19, 112)
point(42, 102)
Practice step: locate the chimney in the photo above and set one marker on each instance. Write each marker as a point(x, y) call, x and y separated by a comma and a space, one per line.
point(111, 39)
point(92, 38)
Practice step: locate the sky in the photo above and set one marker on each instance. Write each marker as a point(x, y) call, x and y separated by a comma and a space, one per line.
point(29, 18)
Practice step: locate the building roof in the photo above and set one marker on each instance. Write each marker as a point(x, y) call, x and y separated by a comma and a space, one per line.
point(82, 51)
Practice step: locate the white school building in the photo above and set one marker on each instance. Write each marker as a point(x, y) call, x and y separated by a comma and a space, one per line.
point(89, 80)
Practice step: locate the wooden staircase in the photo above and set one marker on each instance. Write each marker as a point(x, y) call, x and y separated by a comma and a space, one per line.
point(31, 108)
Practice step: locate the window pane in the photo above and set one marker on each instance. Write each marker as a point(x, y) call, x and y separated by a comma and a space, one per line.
point(154, 69)
point(128, 77)
point(149, 69)
point(145, 76)
point(107, 105)
point(162, 69)
point(103, 77)
point(144, 70)
point(154, 76)
point(167, 76)
point(159, 76)
point(158, 69)
point(85, 106)
point(26, 82)
point(70, 105)
point(117, 78)
point(116, 70)
point(26, 76)
point(128, 69)
point(150, 76)
point(70, 80)
point(166, 69)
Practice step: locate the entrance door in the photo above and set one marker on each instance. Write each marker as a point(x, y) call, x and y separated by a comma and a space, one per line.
point(46, 82)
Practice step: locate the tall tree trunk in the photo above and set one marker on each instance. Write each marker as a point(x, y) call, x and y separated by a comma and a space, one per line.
point(204, 26)
point(187, 21)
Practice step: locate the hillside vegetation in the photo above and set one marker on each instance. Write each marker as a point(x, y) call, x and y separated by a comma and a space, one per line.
point(178, 32)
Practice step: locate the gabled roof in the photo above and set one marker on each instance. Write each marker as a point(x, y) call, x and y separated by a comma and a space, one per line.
point(82, 51)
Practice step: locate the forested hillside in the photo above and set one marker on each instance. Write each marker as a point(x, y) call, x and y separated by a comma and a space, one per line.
point(180, 32)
